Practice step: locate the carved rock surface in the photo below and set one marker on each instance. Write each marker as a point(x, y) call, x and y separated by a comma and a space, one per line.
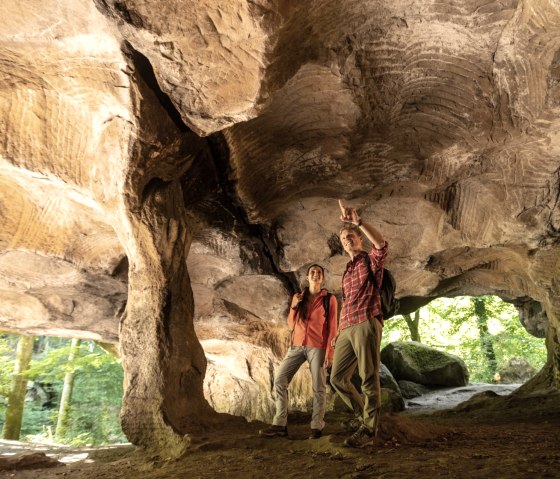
point(166, 166)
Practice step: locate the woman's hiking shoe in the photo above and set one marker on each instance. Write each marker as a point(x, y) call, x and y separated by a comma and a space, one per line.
point(352, 425)
point(315, 434)
point(274, 431)
point(362, 437)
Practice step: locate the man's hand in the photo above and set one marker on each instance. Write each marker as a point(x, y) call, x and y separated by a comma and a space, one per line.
point(348, 215)
point(328, 363)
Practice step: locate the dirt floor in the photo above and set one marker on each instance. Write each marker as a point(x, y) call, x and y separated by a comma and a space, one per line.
point(486, 437)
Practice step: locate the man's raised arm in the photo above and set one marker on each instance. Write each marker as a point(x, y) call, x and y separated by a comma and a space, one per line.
point(350, 215)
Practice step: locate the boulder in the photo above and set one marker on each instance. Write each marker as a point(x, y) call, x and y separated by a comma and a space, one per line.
point(387, 379)
point(515, 371)
point(391, 398)
point(411, 389)
point(34, 460)
point(424, 365)
point(391, 401)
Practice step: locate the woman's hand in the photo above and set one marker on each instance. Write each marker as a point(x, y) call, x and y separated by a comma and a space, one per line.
point(298, 298)
point(333, 341)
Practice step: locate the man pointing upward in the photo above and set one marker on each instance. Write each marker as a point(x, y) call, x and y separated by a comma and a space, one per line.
point(360, 327)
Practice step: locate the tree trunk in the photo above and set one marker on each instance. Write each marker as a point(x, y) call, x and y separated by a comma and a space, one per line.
point(16, 399)
point(66, 396)
point(413, 325)
point(485, 336)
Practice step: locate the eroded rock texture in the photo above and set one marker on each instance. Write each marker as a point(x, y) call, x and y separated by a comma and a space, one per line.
point(172, 166)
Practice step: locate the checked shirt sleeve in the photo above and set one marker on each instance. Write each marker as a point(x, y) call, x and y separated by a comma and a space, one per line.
point(377, 261)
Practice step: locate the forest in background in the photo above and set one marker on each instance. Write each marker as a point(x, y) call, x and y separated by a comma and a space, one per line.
point(81, 375)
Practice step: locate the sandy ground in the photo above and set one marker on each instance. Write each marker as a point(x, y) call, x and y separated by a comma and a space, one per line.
point(487, 437)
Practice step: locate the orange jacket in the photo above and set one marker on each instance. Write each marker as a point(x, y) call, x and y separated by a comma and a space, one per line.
point(315, 331)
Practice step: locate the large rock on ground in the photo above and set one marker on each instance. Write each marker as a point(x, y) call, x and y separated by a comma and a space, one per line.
point(419, 363)
point(239, 378)
point(391, 401)
point(515, 371)
point(410, 389)
point(387, 380)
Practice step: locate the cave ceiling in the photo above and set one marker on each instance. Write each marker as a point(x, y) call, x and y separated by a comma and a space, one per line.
point(439, 121)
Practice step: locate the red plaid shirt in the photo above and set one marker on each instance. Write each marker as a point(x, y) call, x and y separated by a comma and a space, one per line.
point(360, 299)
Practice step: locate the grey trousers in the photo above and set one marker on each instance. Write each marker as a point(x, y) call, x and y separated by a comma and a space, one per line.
point(289, 366)
point(358, 346)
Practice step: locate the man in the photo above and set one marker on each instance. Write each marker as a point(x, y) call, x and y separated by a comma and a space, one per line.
point(360, 326)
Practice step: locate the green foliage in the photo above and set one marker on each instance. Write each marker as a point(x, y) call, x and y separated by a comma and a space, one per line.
point(38, 421)
point(8, 344)
point(97, 387)
point(96, 399)
point(450, 324)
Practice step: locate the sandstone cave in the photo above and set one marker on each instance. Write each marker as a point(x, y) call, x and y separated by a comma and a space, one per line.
point(168, 169)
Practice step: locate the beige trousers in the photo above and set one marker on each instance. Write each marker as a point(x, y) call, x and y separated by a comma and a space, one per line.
point(359, 346)
point(289, 366)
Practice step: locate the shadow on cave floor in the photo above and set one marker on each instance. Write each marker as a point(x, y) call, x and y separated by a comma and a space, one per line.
point(488, 436)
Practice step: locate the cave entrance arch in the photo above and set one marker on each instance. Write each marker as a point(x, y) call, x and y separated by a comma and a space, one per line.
point(500, 341)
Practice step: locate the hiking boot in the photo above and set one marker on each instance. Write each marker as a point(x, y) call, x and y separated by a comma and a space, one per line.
point(274, 431)
point(352, 425)
point(315, 433)
point(362, 437)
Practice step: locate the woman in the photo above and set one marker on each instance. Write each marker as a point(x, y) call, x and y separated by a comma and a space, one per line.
point(313, 322)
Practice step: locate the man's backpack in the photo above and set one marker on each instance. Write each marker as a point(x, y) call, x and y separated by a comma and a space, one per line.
point(389, 303)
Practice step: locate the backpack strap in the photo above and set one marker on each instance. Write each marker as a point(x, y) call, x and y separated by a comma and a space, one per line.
point(326, 307)
point(342, 283)
point(371, 276)
point(327, 304)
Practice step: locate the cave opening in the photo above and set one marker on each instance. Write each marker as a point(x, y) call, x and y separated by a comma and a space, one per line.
point(486, 332)
point(60, 391)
